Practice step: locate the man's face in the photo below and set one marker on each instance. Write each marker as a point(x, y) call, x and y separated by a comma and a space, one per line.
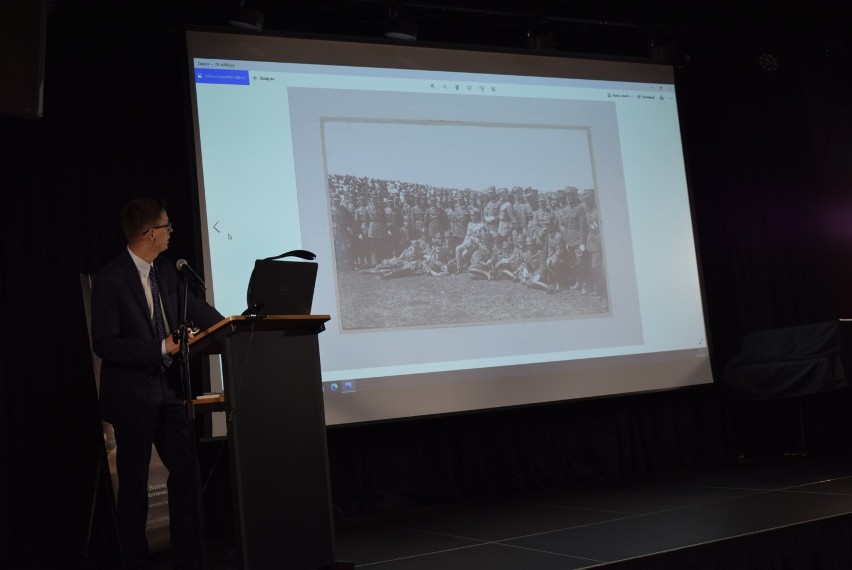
point(161, 233)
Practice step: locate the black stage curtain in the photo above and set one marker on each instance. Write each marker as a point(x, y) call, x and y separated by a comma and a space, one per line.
point(107, 135)
point(413, 463)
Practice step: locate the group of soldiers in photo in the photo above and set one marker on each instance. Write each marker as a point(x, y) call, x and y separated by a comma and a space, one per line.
point(544, 240)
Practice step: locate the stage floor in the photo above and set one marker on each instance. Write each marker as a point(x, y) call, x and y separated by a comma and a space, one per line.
point(729, 513)
point(781, 512)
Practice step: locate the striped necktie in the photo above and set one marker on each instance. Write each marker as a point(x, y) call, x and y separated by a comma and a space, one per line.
point(159, 324)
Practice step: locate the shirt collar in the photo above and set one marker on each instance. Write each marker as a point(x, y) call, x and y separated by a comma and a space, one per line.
point(143, 266)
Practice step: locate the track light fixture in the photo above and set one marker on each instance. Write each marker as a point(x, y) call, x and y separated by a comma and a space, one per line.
point(539, 37)
point(400, 25)
point(246, 17)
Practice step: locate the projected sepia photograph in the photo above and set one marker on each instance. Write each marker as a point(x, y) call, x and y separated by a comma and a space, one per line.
point(452, 223)
point(418, 323)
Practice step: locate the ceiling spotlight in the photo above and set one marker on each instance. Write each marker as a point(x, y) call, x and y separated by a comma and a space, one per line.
point(246, 18)
point(400, 26)
point(539, 37)
point(660, 46)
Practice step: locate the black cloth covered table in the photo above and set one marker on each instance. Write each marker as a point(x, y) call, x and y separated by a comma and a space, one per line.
point(784, 362)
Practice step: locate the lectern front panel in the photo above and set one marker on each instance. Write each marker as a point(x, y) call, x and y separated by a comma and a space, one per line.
point(279, 459)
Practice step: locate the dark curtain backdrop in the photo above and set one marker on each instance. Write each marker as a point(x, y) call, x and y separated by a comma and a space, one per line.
point(770, 179)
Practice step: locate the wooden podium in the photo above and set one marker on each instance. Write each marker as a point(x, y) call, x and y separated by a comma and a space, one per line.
point(276, 435)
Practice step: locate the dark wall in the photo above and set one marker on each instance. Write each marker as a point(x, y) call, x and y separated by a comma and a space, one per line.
point(773, 218)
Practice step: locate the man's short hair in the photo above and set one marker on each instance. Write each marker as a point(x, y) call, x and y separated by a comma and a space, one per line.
point(139, 214)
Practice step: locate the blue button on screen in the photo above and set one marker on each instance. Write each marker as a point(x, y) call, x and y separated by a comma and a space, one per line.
point(222, 76)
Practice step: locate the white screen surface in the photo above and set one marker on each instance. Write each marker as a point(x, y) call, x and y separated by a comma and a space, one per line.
point(286, 128)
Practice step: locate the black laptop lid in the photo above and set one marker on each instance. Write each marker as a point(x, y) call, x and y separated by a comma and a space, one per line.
point(279, 287)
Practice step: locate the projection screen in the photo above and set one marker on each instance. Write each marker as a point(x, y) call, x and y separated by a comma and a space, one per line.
point(394, 164)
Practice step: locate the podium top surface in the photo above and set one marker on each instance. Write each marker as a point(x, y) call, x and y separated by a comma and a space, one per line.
point(210, 341)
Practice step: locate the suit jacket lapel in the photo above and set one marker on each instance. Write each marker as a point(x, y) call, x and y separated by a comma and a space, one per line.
point(134, 285)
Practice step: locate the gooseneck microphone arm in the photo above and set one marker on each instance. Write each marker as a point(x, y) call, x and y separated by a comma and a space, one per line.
point(184, 268)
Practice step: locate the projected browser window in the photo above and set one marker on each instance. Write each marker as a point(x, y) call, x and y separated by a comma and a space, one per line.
point(470, 228)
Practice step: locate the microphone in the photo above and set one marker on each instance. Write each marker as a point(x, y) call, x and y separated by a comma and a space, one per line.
point(184, 267)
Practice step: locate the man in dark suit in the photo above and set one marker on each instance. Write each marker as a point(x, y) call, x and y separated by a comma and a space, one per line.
point(141, 393)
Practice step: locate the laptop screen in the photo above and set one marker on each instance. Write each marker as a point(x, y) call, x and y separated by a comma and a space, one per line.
point(281, 287)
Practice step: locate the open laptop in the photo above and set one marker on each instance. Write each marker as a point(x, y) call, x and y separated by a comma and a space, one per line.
point(279, 287)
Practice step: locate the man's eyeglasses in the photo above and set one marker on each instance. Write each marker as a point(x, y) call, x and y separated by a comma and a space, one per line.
point(169, 226)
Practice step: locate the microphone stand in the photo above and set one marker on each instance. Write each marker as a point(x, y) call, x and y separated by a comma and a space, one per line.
point(183, 332)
